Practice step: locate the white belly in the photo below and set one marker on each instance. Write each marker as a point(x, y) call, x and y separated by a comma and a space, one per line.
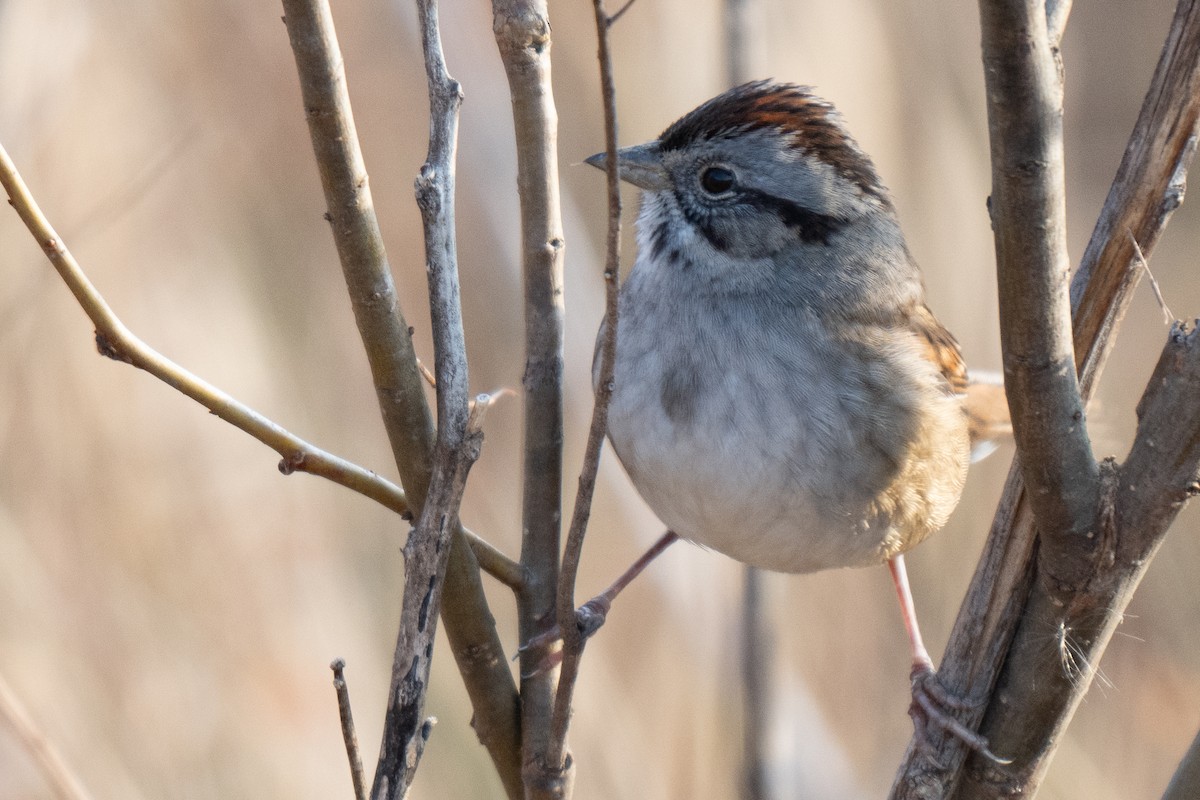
point(791, 466)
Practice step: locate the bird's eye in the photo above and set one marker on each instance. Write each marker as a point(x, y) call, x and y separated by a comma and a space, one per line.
point(716, 180)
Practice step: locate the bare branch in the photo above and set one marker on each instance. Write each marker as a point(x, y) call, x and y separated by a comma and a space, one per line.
point(522, 31)
point(120, 344)
point(754, 661)
point(62, 779)
point(1004, 587)
point(1168, 317)
point(495, 563)
point(573, 641)
point(351, 214)
point(397, 374)
point(428, 549)
point(1028, 207)
point(349, 737)
point(1148, 188)
point(620, 12)
point(1159, 475)
point(1140, 500)
point(1057, 12)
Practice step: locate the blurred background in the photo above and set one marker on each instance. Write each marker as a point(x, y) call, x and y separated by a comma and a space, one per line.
point(169, 603)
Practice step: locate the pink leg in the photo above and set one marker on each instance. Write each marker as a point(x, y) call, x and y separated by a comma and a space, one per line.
point(920, 656)
point(932, 702)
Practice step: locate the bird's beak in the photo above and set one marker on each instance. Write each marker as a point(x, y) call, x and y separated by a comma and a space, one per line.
point(640, 165)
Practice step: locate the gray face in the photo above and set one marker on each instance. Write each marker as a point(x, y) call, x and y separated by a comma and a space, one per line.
point(753, 197)
point(762, 189)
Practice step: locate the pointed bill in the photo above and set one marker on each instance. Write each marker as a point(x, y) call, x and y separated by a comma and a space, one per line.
point(640, 165)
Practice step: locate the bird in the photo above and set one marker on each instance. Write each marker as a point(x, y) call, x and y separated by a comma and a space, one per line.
point(781, 392)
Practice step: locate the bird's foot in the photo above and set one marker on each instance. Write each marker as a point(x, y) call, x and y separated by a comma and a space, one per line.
point(933, 705)
point(589, 617)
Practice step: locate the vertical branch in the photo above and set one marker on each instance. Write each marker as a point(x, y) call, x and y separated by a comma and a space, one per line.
point(522, 30)
point(1029, 218)
point(349, 737)
point(398, 382)
point(755, 657)
point(458, 439)
point(573, 641)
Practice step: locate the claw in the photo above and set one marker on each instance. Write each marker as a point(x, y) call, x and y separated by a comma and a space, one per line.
point(932, 704)
point(589, 618)
point(591, 615)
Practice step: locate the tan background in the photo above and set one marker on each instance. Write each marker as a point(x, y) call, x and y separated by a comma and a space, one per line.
point(169, 602)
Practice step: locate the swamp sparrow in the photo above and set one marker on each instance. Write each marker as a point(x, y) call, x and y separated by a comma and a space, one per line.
point(782, 394)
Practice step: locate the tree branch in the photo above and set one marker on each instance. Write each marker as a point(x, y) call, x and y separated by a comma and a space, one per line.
point(349, 737)
point(399, 386)
point(117, 342)
point(351, 215)
point(1149, 186)
point(1146, 185)
point(1062, 636)
point(1029, 219)
point(522, 31)
point(458, 437)
point(573, 640)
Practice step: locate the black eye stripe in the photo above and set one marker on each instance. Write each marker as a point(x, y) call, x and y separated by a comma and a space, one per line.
point(811, 226)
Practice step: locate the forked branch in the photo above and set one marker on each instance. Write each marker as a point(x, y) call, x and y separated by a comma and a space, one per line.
point(1013, 593)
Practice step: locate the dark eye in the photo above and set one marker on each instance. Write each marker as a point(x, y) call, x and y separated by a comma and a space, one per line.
point(716, 180)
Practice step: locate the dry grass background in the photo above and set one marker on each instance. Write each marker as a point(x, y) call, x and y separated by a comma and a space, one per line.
point(169, 602)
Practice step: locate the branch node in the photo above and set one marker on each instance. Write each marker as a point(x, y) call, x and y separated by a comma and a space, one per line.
point(110, 348)
point(292, 462)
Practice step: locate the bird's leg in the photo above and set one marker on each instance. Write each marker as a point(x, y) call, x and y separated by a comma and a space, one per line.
point(591, 615)
point(932, 702)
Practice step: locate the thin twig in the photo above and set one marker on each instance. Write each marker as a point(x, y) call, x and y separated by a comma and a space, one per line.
point(754, 660)
point(58, 774)
point(1168, 317)
point(572, 640)
point(495, 563)
point(356, 234)
point(117, 342)
point(348, 735)
point(396, 373)
point(620, 12)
